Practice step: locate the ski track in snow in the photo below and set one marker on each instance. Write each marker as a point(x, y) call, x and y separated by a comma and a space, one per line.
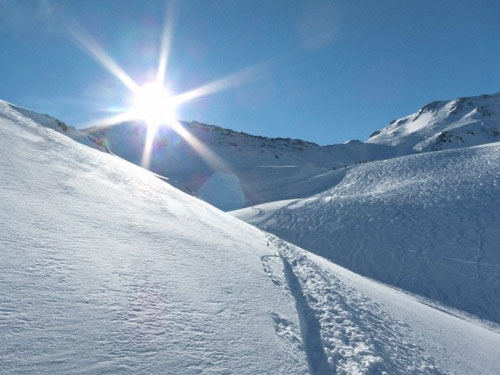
point(106, 269)
point(426, 223)
point(343, 331)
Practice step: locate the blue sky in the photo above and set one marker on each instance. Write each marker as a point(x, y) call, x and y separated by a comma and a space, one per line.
point(328, 70)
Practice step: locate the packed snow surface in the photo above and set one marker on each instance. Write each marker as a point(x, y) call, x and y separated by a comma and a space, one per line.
point(426, 223)
point(104, 268)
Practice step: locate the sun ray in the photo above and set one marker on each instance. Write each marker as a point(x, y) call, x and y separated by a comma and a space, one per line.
point(110, 120)
point(233, 80)
point(148, 146)
point(210, 157)
point(165, 42)
point(93, 48)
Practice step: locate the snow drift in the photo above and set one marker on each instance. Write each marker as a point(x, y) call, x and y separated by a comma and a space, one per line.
point(106, 268)
point(426, 223)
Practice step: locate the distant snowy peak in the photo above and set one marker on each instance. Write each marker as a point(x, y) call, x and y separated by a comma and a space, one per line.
point(445, 125)
point(201, 129)
point(213, 133)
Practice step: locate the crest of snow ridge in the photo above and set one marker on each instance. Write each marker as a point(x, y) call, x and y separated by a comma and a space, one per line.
point(444, 125)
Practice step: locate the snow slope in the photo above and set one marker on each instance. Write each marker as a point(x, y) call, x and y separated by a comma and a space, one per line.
point(256, 169)
point(15, 113)
point(106, 269)
point(444, 125)
point(426, 223)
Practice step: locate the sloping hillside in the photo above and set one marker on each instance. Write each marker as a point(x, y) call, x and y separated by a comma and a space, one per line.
point(14, 113)
point(255, 169)
point(258, 170)
point(106, 269)
point(426, 223)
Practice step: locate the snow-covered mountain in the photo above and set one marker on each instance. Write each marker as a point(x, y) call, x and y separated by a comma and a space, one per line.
point(254, 169)
point(258, 170)
point(427, 223)
point(106, 269)
point(444, 125)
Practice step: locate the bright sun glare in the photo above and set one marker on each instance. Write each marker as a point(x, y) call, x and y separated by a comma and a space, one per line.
point(153, 104)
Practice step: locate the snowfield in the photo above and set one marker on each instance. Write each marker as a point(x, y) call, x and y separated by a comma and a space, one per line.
point(425, 223)
point(104, 268)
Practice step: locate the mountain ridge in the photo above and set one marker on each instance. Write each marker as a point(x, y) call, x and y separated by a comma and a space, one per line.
point(445, 124)
point(257, 169)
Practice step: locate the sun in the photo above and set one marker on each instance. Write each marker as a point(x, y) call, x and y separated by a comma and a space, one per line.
point(153, 104)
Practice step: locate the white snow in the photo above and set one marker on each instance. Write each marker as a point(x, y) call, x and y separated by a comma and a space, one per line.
point(256, 169)
point(104, 268)
point(427, 223)
point(15, 113)
point(445, 125)
point(368, 328)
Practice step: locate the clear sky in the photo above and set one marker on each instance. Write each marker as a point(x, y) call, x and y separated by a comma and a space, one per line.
point(324, 71)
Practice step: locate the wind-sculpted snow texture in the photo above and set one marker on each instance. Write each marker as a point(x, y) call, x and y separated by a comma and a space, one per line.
point(353, 325)
point(444, 125)
point(426, 223)
point(104, 268)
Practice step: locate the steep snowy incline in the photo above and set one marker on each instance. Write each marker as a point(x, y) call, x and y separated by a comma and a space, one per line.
point(256, 169)
point(444, 125)
point(11, 112)
point(426, 223)
point(106, 269)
